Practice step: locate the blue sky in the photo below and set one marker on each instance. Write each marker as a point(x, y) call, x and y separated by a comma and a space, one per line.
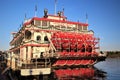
point(103, 17)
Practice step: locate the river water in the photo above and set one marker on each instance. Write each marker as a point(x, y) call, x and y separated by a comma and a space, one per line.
point(112, 68)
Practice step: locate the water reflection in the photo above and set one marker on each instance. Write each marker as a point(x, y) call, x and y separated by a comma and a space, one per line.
point(91, 73)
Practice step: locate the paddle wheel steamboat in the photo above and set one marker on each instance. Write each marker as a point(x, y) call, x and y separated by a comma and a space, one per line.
point(52, 41)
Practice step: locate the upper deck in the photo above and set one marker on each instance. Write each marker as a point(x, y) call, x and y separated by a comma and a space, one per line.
point(51, 23)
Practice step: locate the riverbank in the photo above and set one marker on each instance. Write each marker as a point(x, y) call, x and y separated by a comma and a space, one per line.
point(113, 54)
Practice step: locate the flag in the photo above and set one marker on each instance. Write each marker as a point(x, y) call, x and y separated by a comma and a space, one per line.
point(35, 10)
point(55, 1)
point(25, 16)
point(35, 7)
point(63, 11)
point(86, 16)
point(55, 6)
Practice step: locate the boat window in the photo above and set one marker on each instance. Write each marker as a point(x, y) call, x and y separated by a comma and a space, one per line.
point(46, 39)
point(38, 38)
point(44, 23)
point(80, 28)
point(85, 28)
point(37, 23)
point(28, 34)
point(41, 55)
point(32, 22)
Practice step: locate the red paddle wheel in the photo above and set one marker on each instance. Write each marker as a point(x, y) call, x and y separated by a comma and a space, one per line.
point(74, 45)
point(74, 41)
